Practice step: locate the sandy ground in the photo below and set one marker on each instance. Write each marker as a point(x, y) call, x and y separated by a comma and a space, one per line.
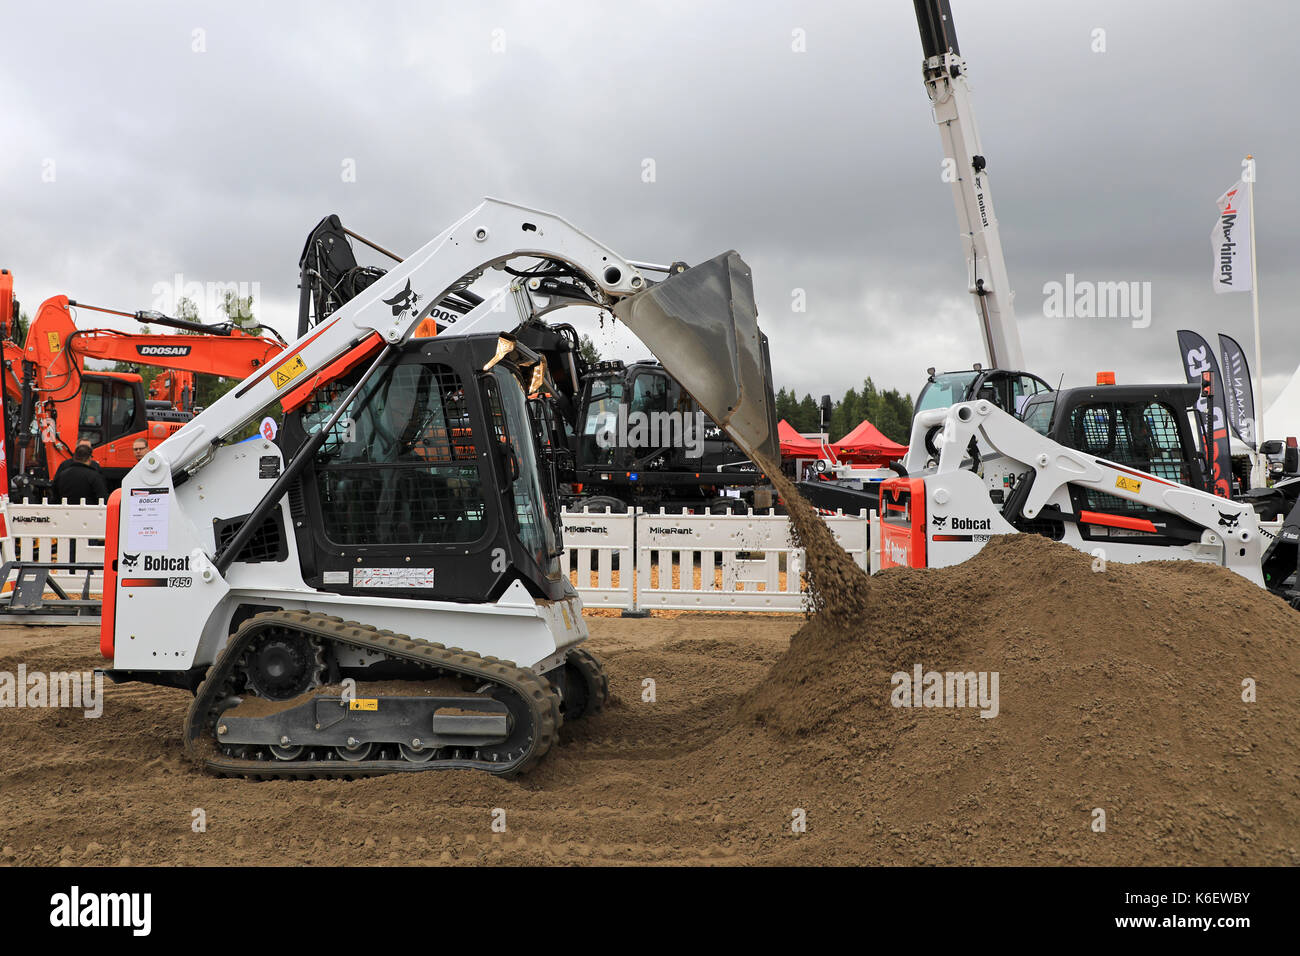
point(1114, 696)
point(116, 789)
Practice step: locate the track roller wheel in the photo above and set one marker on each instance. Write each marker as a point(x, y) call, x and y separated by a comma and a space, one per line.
point(354, 752)
point(416, 754)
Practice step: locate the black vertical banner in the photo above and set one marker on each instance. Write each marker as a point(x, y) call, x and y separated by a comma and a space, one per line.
point(1238, 393)
point(1198, 358)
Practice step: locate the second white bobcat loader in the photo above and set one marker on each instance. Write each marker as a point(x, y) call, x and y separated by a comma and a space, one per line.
point(352, 558)
point(1112, 470)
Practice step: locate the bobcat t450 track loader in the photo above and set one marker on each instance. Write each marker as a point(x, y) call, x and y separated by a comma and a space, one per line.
point(374, 507)
point(1112, 470)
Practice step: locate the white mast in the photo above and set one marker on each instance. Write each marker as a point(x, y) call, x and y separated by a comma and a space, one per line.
point(1259, 477)
point(944, 72)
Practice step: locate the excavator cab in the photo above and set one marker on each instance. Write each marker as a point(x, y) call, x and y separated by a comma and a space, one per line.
point(644, 438)
point(112, 412)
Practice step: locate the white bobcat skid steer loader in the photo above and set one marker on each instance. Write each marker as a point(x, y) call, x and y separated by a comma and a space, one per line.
point(374, 507)
point(1067, 479)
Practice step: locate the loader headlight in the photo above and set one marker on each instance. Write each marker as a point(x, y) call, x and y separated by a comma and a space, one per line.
point(505, 345)
point(539, 376)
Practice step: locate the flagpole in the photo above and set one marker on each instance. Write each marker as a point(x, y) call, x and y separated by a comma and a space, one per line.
point(1261, 461)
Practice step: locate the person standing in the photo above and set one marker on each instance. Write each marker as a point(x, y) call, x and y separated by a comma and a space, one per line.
point(78, 479)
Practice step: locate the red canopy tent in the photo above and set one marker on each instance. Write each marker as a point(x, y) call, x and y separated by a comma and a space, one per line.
point(867, 445)
point(794, 445)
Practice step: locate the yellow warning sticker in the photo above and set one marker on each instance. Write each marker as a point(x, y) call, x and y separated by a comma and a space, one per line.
point(1128, 484)
point(364, 703)
point(287, 372)
point(55, 344)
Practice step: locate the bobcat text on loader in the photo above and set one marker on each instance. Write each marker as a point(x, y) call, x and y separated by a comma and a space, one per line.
point(401, 528)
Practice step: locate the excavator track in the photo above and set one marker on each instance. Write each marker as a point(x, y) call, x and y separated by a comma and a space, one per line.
point(533, 704)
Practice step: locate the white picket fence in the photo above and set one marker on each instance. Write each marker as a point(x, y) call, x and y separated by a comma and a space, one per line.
point(599, 550)
point(734, 562)
point(634, 561)
point(47, 532)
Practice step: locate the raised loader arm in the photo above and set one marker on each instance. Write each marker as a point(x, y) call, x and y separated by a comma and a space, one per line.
point(700, 322)
point(491, 234)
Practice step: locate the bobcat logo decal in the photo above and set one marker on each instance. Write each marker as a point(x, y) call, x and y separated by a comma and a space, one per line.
point(1228, 521)
point(404, 300)
point(939, 521)
point(130, 560)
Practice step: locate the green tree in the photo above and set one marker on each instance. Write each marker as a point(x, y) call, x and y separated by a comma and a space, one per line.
point(785, 405)
point(588, 350)
point(889, 411)
point(209, 388)
point(19, 332)
point(808, 414)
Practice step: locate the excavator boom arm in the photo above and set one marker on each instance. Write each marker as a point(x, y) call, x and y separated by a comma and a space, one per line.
point(234, 356)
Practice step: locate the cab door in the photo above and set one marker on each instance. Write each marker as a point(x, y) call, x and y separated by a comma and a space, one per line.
point(1143, 435)
point(110, 417)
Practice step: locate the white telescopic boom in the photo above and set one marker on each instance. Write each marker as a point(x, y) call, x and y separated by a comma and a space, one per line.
point(944, 72)
point(1259, 472)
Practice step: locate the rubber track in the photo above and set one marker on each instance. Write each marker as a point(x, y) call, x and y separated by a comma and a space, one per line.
point(200, 722)
point(593, 674)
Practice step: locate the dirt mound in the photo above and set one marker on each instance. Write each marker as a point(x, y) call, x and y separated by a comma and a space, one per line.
point(1118, 687)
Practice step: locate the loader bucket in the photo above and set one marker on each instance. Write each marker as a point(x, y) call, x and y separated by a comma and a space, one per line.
point(702, 325)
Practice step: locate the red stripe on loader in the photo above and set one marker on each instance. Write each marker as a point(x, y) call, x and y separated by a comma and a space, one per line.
point(1117, 521)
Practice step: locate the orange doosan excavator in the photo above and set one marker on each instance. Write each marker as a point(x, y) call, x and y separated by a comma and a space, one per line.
point(52, 401)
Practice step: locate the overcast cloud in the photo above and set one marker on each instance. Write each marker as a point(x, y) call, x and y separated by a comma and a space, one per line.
point(821, 167)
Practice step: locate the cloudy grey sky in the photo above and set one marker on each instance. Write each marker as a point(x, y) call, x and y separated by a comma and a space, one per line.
point(820, 167)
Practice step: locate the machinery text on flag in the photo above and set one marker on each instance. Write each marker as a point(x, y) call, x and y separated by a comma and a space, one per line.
point(1231, 242)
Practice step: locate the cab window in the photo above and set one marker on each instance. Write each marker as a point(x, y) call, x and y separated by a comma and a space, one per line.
point(947, 389)
point(1023, 388)
point(402, 467)
point(121, 411)
point(649, 393)
point(1039, 416)
point(91, 425)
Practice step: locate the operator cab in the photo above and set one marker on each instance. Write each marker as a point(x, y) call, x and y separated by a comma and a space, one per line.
point(1008, 390)
point(1146, 427)
point(432, 486)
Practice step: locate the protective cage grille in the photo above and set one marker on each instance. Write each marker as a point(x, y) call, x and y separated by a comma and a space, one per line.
point(402, 467)
point(1141, 435)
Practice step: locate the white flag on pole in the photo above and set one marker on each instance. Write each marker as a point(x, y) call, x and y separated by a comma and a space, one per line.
point(1231, 241)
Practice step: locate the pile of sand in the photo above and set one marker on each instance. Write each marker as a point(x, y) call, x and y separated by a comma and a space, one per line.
point(1119, 689)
